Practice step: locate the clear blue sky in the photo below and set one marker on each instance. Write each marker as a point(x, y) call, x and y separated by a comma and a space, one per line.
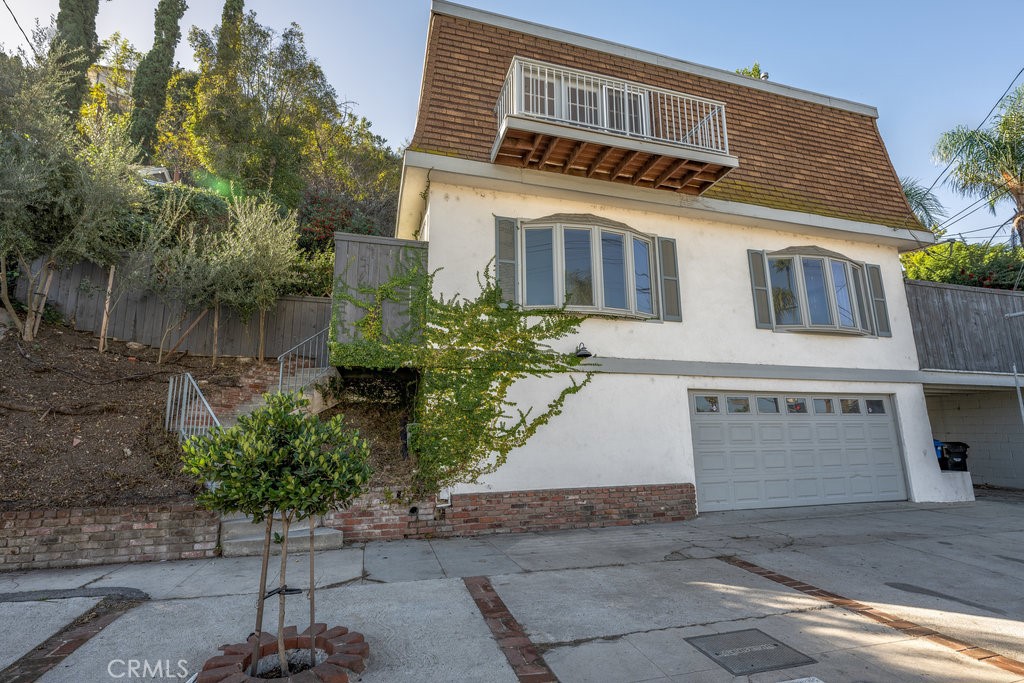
point(926, 66)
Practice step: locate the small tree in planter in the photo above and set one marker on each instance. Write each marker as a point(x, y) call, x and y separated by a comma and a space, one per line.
point(280, 461)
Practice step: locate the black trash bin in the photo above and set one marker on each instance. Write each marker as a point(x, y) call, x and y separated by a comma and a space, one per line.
point(955, 455)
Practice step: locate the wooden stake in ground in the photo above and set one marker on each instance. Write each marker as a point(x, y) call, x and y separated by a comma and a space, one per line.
point(312, 599)
point(6, 298)
point(106, 310)
point(263, 331)
point(183, 334)
point(282, 654)
point(257, 636)
point(216, 333)
point(39, 304)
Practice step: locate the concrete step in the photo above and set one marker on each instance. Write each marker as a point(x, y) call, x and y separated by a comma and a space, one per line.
point(298, 541)
point(242, 527)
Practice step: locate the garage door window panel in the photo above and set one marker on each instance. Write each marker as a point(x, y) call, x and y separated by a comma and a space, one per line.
point(706, 404)
point(737, 404)
point(796, 406)
point(824, 406)
point(767, 405)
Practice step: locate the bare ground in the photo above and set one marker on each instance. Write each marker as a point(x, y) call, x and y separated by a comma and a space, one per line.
point(78, 428)
point(81, 429)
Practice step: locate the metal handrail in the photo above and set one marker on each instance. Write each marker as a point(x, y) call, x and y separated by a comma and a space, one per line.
point(188, 412)
point(304, 362)
point(539, 90)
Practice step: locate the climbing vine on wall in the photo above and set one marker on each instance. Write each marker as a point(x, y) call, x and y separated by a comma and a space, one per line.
point(469, 353)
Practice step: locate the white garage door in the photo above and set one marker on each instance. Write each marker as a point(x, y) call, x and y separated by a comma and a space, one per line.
point(762, 450)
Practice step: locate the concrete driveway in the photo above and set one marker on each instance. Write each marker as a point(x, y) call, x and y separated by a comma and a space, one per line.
point(880, 592)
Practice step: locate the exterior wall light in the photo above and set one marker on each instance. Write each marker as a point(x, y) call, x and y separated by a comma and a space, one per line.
point(582, 352)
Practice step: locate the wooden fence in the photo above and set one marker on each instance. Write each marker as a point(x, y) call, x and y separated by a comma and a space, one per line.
point(962, 328)
point(77, 292)
point(361, 260)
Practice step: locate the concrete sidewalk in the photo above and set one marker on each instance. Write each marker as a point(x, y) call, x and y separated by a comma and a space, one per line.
point(599, 604)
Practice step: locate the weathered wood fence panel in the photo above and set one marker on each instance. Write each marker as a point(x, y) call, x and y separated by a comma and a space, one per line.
point(365, 261)
point(77, 292)
point(962, 328)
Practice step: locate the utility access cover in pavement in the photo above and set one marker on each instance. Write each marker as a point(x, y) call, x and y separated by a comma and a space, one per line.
point(748, 652)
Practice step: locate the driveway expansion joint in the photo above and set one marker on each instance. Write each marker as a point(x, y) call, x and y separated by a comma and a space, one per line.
point(909, 628)
point(56, 648)
point(111, 592)
point(522, 654)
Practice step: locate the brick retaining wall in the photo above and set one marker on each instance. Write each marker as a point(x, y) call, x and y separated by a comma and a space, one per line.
point(372, 518)
point(77, 537)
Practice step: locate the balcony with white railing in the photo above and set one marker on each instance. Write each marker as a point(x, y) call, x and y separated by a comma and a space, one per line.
point(574, 122)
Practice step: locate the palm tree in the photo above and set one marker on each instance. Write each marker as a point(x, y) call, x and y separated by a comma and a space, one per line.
point(923, 202)
point(989, 163)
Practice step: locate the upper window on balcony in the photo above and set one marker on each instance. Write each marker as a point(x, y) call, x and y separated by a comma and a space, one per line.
point(577, 122)
point(585, 100)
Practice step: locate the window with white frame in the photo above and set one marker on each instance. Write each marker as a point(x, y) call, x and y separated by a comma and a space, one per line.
point(812, 289)
point(587, 264)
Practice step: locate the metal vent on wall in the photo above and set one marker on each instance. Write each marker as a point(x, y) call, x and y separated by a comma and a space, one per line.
point(748, 652)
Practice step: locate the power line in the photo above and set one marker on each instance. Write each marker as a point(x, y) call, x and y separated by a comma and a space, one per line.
point(18, 24)
point(977, 204)
point(976, 129)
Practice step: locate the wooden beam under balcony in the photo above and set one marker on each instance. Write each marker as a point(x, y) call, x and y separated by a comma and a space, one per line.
point(537, 140)
point(571, 161)
point(621, 166)
point(556, 148)
point(653, 161)
point(599, 161)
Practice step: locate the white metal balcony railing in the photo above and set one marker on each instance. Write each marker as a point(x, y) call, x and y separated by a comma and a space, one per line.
point(538, 90)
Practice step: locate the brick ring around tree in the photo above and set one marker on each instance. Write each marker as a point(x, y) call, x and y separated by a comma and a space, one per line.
point(346, 652)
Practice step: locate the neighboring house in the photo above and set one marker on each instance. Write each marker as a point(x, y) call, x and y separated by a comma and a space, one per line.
point(735, 240)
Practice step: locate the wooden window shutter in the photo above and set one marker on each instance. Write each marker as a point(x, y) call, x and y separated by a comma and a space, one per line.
point(506, 257)
point(878, 304)
point(668, 267)
point(761, 291)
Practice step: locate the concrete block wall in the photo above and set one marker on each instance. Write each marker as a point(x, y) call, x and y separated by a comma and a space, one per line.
point(990, 422)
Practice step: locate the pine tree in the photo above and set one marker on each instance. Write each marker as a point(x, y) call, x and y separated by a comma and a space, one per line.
point(149, 92)
point(79, 46)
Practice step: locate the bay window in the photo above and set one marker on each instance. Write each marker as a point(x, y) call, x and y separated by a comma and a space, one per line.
point(812, 289)
point(588, 264)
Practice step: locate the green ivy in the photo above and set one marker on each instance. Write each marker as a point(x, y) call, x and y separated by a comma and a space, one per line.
point(469, 354)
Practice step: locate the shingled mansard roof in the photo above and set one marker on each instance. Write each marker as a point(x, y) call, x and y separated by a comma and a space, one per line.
point(798, 151)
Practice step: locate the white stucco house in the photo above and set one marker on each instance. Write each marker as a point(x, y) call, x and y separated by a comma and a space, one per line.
point(734, 243)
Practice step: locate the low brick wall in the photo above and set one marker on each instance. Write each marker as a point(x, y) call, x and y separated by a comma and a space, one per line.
point(372, 518)
point(77, 537)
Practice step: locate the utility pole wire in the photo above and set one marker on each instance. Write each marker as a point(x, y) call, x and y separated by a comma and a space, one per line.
point(976, 129)
point(25, 35)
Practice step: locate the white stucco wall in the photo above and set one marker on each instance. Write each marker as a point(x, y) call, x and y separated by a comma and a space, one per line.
point(718, 318)
point(989, 422)
point(629, 429)
point(635, 429)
